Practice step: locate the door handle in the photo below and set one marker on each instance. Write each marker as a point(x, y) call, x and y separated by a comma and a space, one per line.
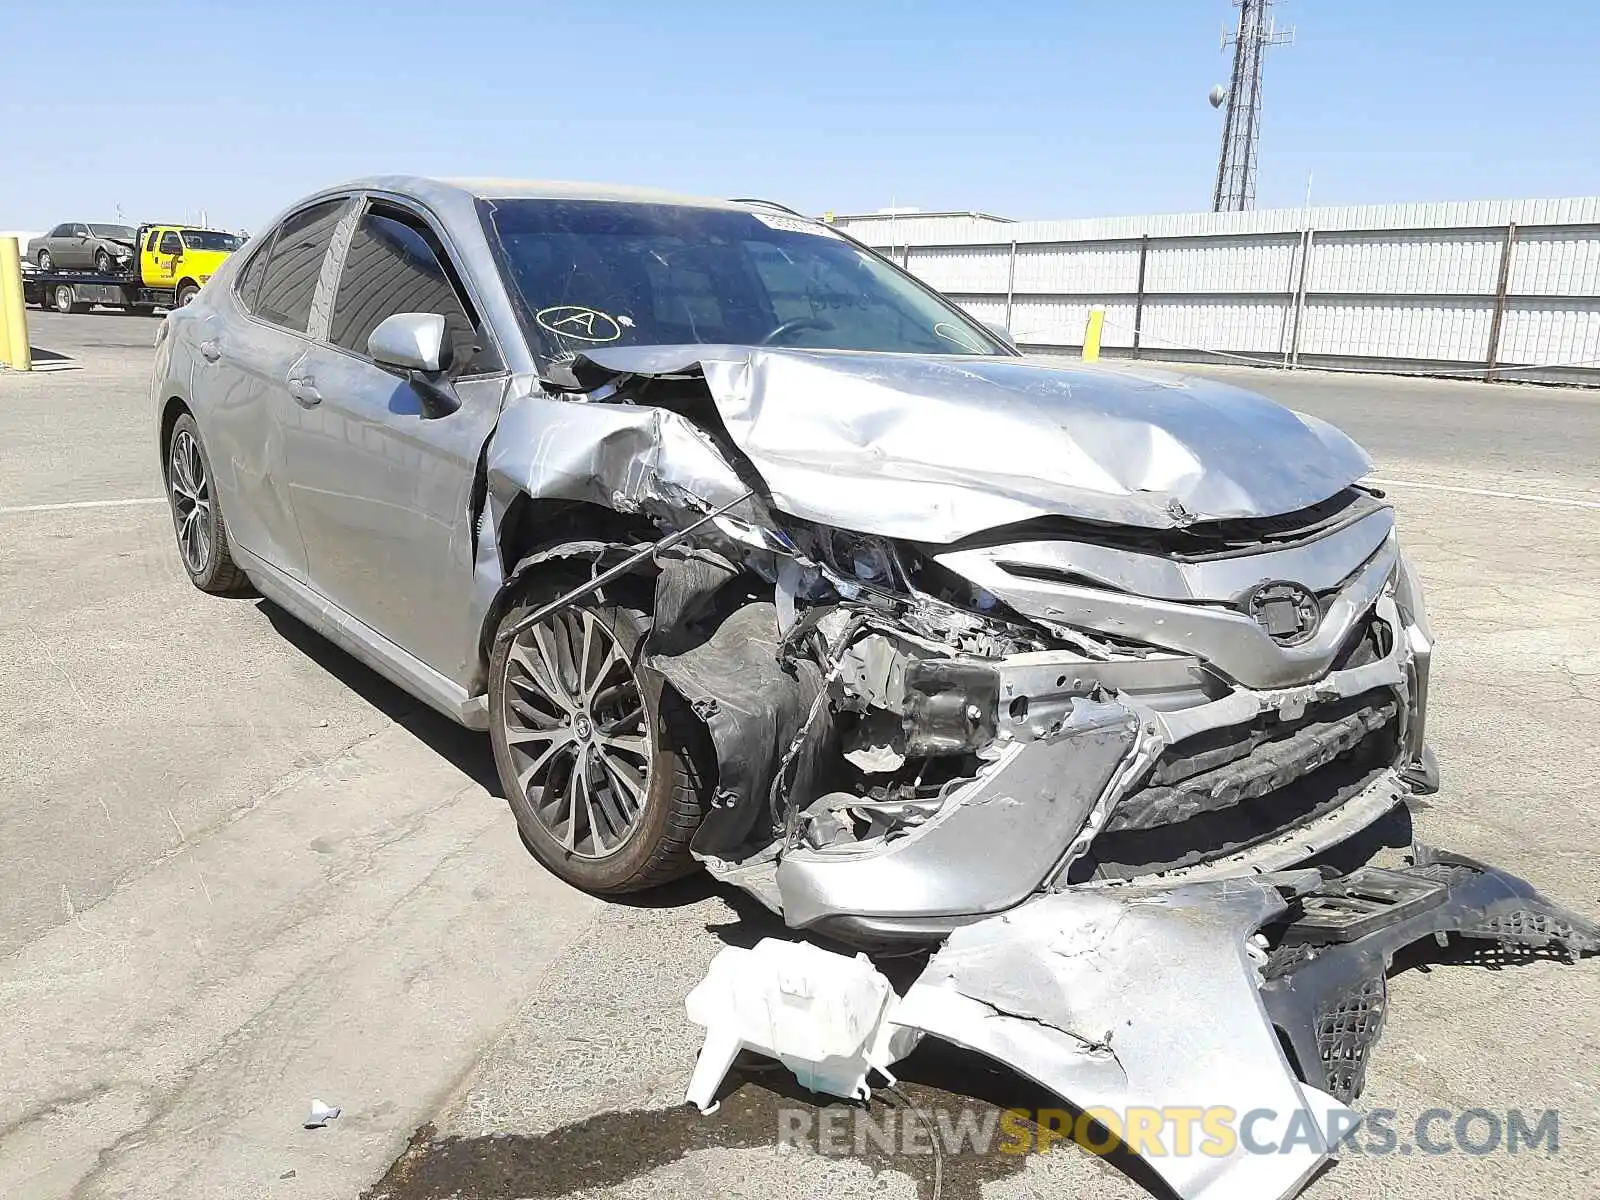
point(304, 390)
point(211, 349)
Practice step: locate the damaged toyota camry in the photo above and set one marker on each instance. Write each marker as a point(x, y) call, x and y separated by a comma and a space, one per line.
point(752, 553)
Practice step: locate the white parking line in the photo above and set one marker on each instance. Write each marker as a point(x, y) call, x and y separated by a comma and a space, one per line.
point(40, 508)
point(1467, 491)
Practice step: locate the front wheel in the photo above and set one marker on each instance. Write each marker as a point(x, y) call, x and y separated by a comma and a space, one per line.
point(102, 262)
point(604, 769)
point(187, 293)
point(196, 517)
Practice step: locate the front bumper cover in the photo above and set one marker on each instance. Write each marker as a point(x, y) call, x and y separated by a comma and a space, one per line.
point(1162, 997)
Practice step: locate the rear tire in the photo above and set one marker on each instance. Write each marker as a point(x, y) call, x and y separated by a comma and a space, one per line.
point(45, 261)
point(197, 516)
point(577, 757)
point(65, 300)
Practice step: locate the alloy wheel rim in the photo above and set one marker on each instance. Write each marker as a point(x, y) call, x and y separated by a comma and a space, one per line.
point(63, 298)
point(191, 502)
point(576, 729)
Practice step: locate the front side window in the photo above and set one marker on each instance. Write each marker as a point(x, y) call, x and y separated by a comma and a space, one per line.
point(289, 276)
point(395, 265)
point(170, 243)
point(596, 272)
point(210, 239)
point(80, 231)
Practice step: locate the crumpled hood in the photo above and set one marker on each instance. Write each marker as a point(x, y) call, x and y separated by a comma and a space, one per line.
point(935, 448)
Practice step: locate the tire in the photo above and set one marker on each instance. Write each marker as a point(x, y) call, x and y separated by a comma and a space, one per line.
point(187, 293)
point(593, 850)
point(65, 300)
point(202, 538)
point(102, 262)
point(45, 261)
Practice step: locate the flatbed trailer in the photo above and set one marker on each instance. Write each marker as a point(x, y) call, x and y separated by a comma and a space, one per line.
point(79, 291)
point(163, 273)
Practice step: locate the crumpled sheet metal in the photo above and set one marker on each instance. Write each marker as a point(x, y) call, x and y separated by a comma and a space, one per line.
point(995, 841)
point(621, 456)
point(1136, 997)
point(936, 449)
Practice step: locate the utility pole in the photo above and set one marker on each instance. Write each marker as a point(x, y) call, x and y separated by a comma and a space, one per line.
point(1241, 128)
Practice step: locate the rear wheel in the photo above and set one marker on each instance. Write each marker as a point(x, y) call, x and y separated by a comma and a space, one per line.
point(65, 299)
point(196, 516)
point(604, 769)
point(45, 261)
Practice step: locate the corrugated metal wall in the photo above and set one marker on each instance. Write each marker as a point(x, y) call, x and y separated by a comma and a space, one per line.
point(1507, 288)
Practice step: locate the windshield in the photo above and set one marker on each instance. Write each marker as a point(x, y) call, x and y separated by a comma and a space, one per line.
point(117, 233)
point(206, 239)
point(600, 272)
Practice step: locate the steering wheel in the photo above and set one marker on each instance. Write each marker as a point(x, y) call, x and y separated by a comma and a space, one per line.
point(795, 325)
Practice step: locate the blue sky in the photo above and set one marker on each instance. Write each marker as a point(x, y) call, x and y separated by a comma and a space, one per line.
point(1026, 109)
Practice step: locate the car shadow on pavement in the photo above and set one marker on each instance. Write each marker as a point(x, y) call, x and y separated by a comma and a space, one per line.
point(465, 749)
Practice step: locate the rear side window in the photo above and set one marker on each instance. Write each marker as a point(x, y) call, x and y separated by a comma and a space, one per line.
point(289, 276)
point(249, 282)
point(150, 242)
point(61, 231)
point(396, 265)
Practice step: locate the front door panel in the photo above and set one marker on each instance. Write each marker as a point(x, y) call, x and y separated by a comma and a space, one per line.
point(382, 496)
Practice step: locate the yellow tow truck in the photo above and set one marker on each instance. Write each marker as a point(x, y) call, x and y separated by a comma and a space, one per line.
point(172, 265)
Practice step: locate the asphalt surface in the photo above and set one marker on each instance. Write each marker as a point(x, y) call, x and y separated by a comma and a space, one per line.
point(244, 872)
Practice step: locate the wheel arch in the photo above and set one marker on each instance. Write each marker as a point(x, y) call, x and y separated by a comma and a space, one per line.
point(537, 534)
point(171, 409)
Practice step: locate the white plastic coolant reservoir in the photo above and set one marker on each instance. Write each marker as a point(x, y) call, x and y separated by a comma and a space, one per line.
point(825, 1016)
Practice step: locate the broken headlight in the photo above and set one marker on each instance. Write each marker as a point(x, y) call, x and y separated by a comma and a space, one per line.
point(858, 557)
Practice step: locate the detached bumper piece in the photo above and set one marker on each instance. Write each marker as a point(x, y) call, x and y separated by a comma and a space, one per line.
point(1325, 982)
point(1150, 997)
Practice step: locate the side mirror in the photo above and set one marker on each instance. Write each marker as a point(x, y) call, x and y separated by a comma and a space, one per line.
point(413, 345)
point(1002, 332)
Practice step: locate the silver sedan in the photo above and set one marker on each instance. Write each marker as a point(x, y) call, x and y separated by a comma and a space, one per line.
point(751, 551)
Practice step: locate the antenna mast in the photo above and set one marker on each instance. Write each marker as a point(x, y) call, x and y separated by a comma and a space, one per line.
point(1241, 130)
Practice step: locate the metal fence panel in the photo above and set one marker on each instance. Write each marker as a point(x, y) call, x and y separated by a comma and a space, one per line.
point(1491, 287)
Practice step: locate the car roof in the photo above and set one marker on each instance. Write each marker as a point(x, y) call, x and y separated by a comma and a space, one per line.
point(428, 188)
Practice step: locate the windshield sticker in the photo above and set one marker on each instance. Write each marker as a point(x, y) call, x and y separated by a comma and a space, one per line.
point(957, 335)
point(794, 224)
point(579, 323)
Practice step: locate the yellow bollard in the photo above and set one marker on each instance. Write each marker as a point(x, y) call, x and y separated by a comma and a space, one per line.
point(1091, 335)
point(14, 349)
